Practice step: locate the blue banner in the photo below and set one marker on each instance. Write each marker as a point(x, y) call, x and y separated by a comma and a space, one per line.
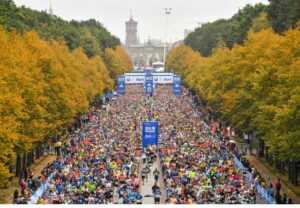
point(149, 84)
point(177, 85)
point(121, 85)
point(149, 134)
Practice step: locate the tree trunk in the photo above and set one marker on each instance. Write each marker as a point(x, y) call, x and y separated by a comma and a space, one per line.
point(283, 167)
point(261, 148)
point(24, 161)
point(290, 170)
point(271, 160)
point(267, 153)
point(41, 150)
point(28, 162)
point(32, 158)
point(37, 154)
point(277, 164)
point(296, 173)
point(18, 166)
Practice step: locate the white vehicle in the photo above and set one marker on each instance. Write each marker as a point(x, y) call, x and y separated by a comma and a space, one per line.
point(158, 66)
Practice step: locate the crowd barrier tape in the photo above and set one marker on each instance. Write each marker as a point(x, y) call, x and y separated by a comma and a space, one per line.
point(34, 198)
point(260, 190)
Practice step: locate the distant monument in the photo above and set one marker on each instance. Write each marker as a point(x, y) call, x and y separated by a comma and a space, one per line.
point(131, 32)
point(142, 55)
point(50, 11)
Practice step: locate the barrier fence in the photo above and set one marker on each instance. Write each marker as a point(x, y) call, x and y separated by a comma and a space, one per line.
point(34, 198)
point(259, 189)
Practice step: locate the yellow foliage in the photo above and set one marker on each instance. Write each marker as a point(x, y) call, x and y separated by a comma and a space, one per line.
point(117, 61)
point(255, 87)
point(42, 87)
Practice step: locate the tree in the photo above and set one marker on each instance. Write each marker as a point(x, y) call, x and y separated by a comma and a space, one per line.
point(283, 14)
point(90, 35)
point(254, 87)
point(260, 23)
point(117, 61)
point(43, 86)
point(231, 31)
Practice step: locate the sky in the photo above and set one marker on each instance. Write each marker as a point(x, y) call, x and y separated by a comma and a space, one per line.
point(150, 14)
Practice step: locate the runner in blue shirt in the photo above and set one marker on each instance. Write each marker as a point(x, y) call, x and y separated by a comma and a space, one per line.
point(157, 194)
point(139, 198)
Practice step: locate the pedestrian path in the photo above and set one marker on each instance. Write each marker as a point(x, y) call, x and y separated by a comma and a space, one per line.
point(146, 189)
point(6, 194)
point(266, 173)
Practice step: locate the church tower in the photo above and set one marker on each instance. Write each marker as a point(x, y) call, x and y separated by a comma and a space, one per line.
point(131, 32)
point(50, 11)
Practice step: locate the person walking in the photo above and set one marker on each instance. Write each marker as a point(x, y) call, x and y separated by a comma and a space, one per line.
point(58, 147)
point(278, 185)
point(156, 174)
point(157, 195)
point(144, 173)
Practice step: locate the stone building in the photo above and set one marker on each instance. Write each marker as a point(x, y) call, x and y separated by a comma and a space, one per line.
point(142, 54)
point(131, 32)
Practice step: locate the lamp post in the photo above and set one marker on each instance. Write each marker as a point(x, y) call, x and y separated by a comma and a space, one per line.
point(167, 12)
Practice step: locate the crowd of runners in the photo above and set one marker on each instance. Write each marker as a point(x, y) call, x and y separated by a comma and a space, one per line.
point(197, 163)
point(103, 163)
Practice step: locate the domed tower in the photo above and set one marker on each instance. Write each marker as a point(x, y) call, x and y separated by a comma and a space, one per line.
point(131, 32)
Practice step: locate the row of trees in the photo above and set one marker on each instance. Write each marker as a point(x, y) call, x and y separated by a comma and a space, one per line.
point(282, 15)
point(50, 71)
point(89, 35)
point(255, 87)
point(43, 86)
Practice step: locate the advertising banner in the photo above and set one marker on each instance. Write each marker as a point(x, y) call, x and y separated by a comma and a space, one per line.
point(133, 79)
point(149, 84)
point(158, 78)
point(149, 134)
point(121, 85)
point(177, 85)
point(162, 79)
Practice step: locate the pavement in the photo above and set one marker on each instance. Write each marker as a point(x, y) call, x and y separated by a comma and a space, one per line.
point(266, 173)
point(6, 195)
point(146, 189)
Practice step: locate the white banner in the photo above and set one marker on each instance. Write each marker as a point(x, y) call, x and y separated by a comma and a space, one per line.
point(157, 79)
point(162, 79)
point(134, 79)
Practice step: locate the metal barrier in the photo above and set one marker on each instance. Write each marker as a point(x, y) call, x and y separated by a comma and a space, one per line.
point(34, 198)
point(260, 190)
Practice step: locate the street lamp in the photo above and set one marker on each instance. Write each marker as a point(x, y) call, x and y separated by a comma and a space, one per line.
point(167, 12)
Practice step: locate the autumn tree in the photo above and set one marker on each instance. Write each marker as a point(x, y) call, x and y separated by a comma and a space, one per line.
point(43, 87)
point(117, 61)
point(254, 86)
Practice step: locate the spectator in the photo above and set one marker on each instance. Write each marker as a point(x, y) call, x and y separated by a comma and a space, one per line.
point(284, 198)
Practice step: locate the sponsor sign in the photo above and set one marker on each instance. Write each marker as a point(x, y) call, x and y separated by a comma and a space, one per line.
point(177, 85)
point(149, 84)
point(149, 134)
point(121, 85)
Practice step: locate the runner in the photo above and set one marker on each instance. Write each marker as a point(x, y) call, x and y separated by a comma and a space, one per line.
point(102, 161)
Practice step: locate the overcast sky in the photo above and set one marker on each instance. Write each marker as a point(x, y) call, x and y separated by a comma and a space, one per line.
point(149, 13)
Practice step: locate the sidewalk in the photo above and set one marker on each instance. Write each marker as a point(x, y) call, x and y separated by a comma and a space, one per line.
point(266, 173)
point(146, 189)
point(6, 195)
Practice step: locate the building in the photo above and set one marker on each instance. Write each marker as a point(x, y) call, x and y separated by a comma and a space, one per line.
point(142, 55)
point(50, 11)
point(131, 32)
point(145, 54)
